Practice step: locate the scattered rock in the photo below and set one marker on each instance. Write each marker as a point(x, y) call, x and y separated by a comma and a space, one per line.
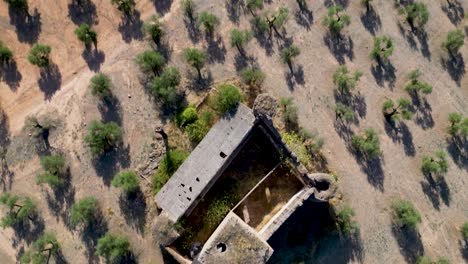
point(265, 104)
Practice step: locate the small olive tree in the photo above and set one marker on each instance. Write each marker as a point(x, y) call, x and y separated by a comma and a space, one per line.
point(415, 86)
point(41, 250)
point(164, 87)
point(153, 28)
point(195, 58)
point(453, 43)
point(367, 144)
point(86, 35)
point(188, 8)
point(435, 164)
point(188, 116)
point(396, 111)
point(290, 117)
point(127, 180)
point(6, 56)
point(253, 76)
point(39, 55)
point(227, 97)
point(240, 38)
point(254, 5)
point(20, 209)
point(85, 212)
point(102, 137)
point(417, 15)
point(405, 214)
point(383, 49)
point(54, 171)
point(209, 22)
point(151, 61)
point(197, 130)
point(344, 220)
point(100, 86)
point(345, 81)
point(344, 113)
point(336, 20)
point(458, 125)
point(288, 54)
point(124, 6)
point(113, 248)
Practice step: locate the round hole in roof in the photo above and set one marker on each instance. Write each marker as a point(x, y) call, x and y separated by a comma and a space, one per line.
point(221, 247)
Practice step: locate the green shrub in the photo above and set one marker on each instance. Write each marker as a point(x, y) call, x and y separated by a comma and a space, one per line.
point(396, 111)
point(227, 97)
point(209, 22)
point(164, 87)
point(405, 215)
point(127, 180)
point(188, 8)
point(41, 250)
point(86, 35)
point(279, 18)
point(253, 76)
point(197, 130)
point(100, 86)
point(424, 260)
point(5, 54)
point(383, 48)
point(168, 166)
point(240, 38)
point(153, 28)
point(458, 125)
point(290, 117)
point(113, 248)
point(344, 80)
point(344, 112)
point(102, 137)
point(187, 117)
point(289, 53)
point(344, 220)
point(151, 61)
point(336, 20)
point(124, 6)
point(417, 15)
point(435, 164)
point(39, 55)
point(464, 231)
point(367, 144)
point(454, 41)
point(296, 144)
point(195, 58)
point(254, 5)
point(84, 212)
point(54, 171)
point(20, 209)
point(415, 85)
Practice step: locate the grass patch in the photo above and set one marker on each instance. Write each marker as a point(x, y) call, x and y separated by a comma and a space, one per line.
point(168, 166)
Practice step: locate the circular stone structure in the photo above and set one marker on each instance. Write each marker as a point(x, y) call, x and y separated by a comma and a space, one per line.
point(265, 104)
point(325, 186)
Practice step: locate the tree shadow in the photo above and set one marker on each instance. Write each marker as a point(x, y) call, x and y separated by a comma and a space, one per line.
point(295, 77)
point(50, 80)
point(371, 20)
point(243, 61)
point(198, 85)
point(130, 27)
point(94, 58)
point(374, 171)
point(10, 75)
point(193, 30)
point(384, 72)
point(436, 190)
point(423, 116)
point(108, 164)
point(133, 208)
point(62, 198)
point(304, 17)
point(82, 11)
point(162, 6)
point(165, 49)
point(458, 150)
point(464, 249)
point(340, 46)
point(400, 133)
point(111, 110)
point(28, 230)
point(343, 3)
point(234, 8)
point(454, 11)
point(424, 45)
point(28, 27)
point(343, 130)
point(455, 66)
point(356, 102)
point(216, 50)
point(90, 236)
point(264, 40)
point(410, 244)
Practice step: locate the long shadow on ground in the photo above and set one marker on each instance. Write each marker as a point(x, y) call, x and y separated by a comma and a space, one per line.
point(133, 208)
point(130, 27)
point(108, 164)
point(10, 75)
point(82, 11)
point(50, 81)
point(28, 27)
point(410, 243)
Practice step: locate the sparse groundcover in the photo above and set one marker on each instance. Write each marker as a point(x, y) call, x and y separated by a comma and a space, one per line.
point(305, 145)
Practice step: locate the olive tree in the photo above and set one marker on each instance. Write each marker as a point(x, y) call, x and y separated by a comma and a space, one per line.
point(151, 61)
point(86, 35)
point(435, 164)
point(254, 5)
point(113, 248)
point(100, 86)
point(6, 56)
point(344, 113)
point(405, 214)
point(382, 49)
point(187, 116)
point(39, 55)
point(458, 125)
point(367, 144)
point(454, 41)
point(227, 97)
point(127, 180)
point(197, 130)
point(415, 86)
point(345, 81)
point(102, 137)
point(19, 209)
point(288, 54)
point(271, 22)
point(417, 15)
point(344, 220)
point(240, 38)
point(164, 87)
point(209, 22)
point(54, 171)
point(188, 8)
point(84, 212)
point(290, 117)
point(41, 250)
point(394, 111)
point(253, 76)
point(124, 6)
point(153, 28)
point(195, 58)
point(336, 20)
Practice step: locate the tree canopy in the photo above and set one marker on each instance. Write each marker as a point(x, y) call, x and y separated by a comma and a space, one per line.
point(41, 250)
point(127, 180)
point(113, 248)
point(124, 6)
point(253, 76)
point(417, 14)
point(209, 21)
point(195, 58)
point(415, 85)
point(84, 212)
point(436, 164)
point(367, 144)
point(20, 209)
point(100, 86)
point(397, 111)
point(86, 35)
point(455, 40)
point(458, 125)
point(5, 54)
point(197, 130)
point(405, 214)
point(18, 4)
point(383, 48)
point(151, 61)
point(187, 116)
point(153, 28)
point(102, 137)
point(164, 87)
point(344, 80)
point(344, 220)
point(239, 38)
point(336, 20)
point(227, 97)
point(39, 55)
point(54, 171)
